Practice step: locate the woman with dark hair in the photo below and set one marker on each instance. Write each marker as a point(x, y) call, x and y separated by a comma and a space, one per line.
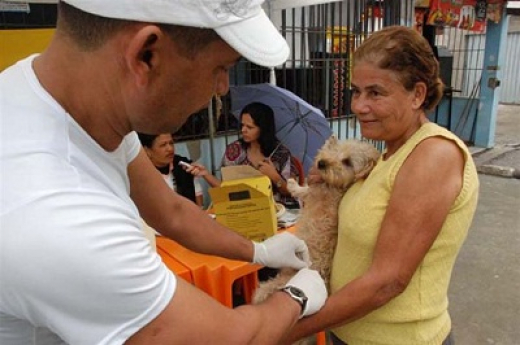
point(260, 148)
point(161, 151)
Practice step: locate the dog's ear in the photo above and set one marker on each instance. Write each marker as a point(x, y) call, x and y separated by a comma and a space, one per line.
point(332, 140)
point(365, 171)
point(371, 155)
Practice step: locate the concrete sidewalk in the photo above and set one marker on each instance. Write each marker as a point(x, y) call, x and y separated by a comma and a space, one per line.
point(484, 295)
point(504, 158)
point(484, 292)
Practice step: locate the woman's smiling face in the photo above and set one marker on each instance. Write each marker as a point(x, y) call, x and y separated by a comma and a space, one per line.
point(385, 109)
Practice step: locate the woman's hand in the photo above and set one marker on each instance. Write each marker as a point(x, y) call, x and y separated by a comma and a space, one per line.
point(196, 169)
point(199, 170)
point(267, 168)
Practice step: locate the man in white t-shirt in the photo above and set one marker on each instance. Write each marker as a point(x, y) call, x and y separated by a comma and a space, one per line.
point(75, 267)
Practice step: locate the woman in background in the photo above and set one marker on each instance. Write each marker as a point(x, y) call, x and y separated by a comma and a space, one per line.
point(161, 151)
point(259, 148)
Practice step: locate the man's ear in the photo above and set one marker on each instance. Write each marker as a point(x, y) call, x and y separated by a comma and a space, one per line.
point(420, 90)
point(141, 55)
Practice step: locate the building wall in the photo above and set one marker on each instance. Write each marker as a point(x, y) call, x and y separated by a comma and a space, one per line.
point(510, 83)
point(514, 23)
point(21, 43)
point(468, 52)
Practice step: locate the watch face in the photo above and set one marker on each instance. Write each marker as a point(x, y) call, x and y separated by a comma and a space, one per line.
point(296, 292)
point(297, 295)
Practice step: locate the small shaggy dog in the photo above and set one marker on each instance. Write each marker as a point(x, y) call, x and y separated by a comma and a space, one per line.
point(339, 163)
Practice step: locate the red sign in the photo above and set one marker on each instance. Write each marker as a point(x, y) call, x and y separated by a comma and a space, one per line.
point(463, 14)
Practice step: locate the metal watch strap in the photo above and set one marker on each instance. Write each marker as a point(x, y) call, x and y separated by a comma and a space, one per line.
point(296, 294)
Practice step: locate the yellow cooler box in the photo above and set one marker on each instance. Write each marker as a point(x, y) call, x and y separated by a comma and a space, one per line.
point(244, 202)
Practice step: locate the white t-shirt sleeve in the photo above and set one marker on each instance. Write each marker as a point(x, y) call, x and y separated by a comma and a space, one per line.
point(198, 187)
point(133, 145)
point(111, 283)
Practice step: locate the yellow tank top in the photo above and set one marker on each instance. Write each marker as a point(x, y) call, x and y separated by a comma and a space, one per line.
point(419, 316)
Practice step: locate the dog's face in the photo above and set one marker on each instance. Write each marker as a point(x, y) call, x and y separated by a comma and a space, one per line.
point(341, 162)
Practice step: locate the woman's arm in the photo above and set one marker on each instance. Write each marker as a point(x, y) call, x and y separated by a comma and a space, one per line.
point(197, 169)
point(424, 191)
point(170, 214)
point(279, 179)
point(194, 317)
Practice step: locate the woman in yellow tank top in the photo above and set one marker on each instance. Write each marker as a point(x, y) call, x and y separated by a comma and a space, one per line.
point(400, 229)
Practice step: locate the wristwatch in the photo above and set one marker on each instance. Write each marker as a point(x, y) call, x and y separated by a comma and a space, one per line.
point(279, 184)
point(296, 294)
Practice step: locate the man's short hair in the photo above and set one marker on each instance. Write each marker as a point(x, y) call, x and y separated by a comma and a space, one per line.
point(90, 31)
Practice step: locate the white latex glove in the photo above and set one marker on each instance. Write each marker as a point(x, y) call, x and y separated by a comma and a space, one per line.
point(313, 286)
point(283, 250)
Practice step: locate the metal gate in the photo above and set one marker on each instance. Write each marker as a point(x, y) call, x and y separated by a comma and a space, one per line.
point(322, 39)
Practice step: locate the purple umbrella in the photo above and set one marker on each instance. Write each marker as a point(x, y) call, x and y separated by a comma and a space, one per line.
point(301, 127)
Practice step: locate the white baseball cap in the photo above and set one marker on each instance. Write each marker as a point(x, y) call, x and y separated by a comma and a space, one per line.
point(243, 24)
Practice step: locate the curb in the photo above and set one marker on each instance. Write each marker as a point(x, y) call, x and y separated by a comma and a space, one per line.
point(497, 170)
point(483, 156)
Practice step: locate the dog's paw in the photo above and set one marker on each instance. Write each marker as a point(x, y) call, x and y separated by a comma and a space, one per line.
point(292, 185)
point(295, 189)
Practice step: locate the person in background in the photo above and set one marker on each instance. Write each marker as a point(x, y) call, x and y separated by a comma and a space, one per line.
point(401, 229)
point(76, 267)
point(161, 151)
point(260, 149)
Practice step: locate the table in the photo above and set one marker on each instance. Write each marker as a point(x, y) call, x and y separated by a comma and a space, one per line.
point(175, 266)
point(212, 274)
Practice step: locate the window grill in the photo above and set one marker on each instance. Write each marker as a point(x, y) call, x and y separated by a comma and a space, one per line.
point(322, 39)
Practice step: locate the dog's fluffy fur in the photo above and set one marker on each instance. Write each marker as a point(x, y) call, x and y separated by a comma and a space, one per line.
point(339, 163)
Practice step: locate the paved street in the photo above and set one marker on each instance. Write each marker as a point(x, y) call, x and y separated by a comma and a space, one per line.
point(485, 287)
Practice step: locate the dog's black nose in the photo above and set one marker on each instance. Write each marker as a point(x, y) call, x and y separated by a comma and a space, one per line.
point(322, 165)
